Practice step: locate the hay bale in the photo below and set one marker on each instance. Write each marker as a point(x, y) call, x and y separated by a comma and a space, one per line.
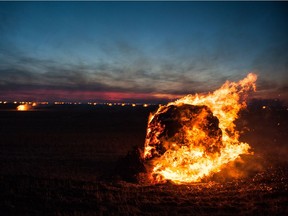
point(184, 125)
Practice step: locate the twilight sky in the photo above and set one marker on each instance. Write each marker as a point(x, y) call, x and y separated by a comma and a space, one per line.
point(139, 51)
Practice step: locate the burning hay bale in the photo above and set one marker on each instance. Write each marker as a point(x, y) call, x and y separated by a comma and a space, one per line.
point(24, 107)
point(195, 136)
point(177, 126)
point(192, 138)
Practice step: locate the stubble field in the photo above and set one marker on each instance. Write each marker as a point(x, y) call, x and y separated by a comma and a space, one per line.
point(62, 160)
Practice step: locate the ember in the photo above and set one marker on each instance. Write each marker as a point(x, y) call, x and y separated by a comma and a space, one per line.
point(195, 136)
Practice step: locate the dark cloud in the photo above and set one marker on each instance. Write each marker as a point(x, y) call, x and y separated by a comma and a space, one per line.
point(179, 52)
point(131, 72)
point(266, 84)
point(272, 67)
point(273, 61)
point(27, 73)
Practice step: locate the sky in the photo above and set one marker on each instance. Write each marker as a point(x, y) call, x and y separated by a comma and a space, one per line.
point(140, 51)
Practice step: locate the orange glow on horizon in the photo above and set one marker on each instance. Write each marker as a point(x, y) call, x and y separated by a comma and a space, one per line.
point(23, 107)
point(59, 96)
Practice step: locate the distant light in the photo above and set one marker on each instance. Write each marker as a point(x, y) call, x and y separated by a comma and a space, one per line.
point(24, 107)
point(110, 104)
point(145, 105)
point(133, 105)
point(5, 102)
point(264, 107)
point(94, 104)
point(123, 104)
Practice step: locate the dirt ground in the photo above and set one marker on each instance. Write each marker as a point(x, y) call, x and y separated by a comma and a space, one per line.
point(61, 160)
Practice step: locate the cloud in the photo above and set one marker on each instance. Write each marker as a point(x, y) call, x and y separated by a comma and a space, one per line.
point(128, 73)
point(272, 66)
point(20, 73)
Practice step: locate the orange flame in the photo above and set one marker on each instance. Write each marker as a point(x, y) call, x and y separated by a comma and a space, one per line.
point(23, 107)
point(190, 162)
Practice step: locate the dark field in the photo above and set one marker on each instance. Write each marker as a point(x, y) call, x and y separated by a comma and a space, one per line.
point(61, 161)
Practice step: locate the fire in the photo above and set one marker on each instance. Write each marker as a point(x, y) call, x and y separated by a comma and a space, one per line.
point(23, 107)
point(195, 136)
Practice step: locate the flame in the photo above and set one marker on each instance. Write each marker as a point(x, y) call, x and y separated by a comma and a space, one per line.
point(191, 161)
point(23, 107)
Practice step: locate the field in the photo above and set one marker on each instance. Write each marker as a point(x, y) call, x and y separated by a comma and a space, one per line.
point(62, 160)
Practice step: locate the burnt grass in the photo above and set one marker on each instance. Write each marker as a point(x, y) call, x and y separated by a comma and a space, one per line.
point(62, 160)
